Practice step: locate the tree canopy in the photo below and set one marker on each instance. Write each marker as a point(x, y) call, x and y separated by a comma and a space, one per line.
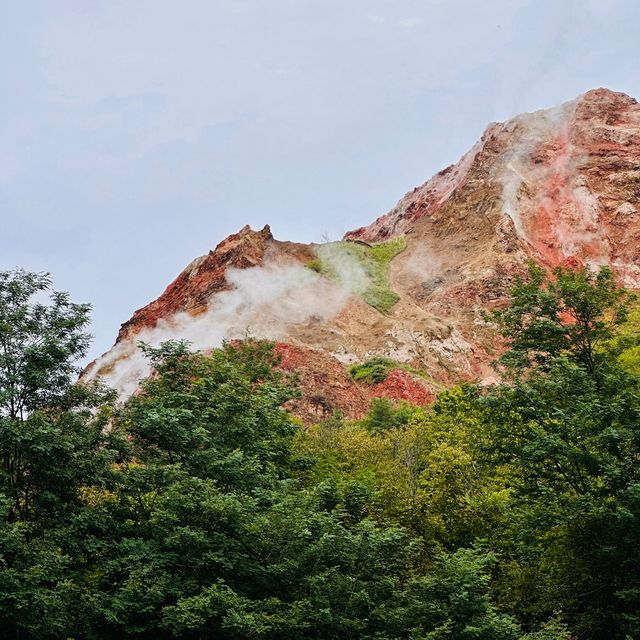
point(201, 508)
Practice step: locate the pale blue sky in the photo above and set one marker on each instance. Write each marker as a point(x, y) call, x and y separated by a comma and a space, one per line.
point(136, 134)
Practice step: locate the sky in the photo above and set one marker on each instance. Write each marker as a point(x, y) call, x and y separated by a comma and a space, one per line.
point(137, 134)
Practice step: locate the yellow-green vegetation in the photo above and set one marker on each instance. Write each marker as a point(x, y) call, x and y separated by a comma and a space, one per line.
point(315, 265)
point(376, 370)
point(372, 371)
point(540, 470)
point(361, 268)
point(625, 343)
point(417, 466)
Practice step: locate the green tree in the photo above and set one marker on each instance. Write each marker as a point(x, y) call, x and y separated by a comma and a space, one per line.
point(568, 426)
point(40, 342)
point(202, 509)
point(571, 314)
point(212, 536)
point(219, 416)
point(53, 447)
point(42, 414)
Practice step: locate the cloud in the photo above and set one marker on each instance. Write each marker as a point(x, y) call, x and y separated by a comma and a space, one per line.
point(409, 23)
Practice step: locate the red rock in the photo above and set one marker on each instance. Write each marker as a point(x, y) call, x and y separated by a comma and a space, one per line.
point(325, 385)
point(402, 385)
point(205, 276)
point(561, 186)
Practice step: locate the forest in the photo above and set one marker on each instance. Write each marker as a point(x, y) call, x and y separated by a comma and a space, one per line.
point(202, 508)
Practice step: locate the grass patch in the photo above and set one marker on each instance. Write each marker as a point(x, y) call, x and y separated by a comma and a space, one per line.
point(372, 371)
point(360, 268)
point(376, 370)
point(315, 265)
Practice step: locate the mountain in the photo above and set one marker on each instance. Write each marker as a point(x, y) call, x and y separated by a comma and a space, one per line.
point(560, 186)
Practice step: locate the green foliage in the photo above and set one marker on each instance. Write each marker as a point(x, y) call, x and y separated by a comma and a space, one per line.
point(381, 299)
point(569, 430)
point(54, 446)
point(218, 416)
point(185, 519)
point(552, 629)
point(573, 315)
point(625, 344)
point(201, 509)
point(214, 539)
point(384, 415)
point(376, 370)
point(381, 416)
point(573, 444)
point(361, 268)
point(541, 469)
point(372, 371)
point(315, 265)
point(420, 468)
point(40, 342)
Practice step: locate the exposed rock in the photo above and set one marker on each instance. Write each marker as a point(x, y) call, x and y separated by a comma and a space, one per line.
point(205, 276)
point(326, 386)
point(561, 186)
point(402, 385)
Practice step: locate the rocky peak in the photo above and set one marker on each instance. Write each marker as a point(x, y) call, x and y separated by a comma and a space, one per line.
point(245, 241)
point(560, 185)
point(565, 176)
point(604, 105)
point(205, 276)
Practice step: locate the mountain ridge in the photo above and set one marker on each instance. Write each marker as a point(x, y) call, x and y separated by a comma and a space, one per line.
point(560, 186)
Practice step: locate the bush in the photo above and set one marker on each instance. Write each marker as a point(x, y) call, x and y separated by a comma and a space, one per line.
point(372, 371)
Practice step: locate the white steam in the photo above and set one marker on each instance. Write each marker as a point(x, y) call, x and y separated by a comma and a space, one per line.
point(344, 267)
point(552, 183)
point(511, 180)
point(532, 130)
point(422, 263)
point(263, 302)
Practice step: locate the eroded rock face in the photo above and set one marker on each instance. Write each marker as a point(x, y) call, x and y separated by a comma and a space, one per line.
point(561, 186)
point(326, 386)
point(206, 275)
point(568, 178)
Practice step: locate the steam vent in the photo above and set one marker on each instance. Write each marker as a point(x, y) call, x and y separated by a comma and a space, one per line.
point(561, 186)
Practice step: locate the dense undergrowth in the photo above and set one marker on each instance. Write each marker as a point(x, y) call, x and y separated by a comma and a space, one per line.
point(373, 370)
point(202, 509)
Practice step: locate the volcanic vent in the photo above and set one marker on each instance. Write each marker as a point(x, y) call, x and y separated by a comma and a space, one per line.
point(561, 186)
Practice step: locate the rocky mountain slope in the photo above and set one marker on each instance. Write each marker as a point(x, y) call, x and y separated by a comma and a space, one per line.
point(561, 186)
